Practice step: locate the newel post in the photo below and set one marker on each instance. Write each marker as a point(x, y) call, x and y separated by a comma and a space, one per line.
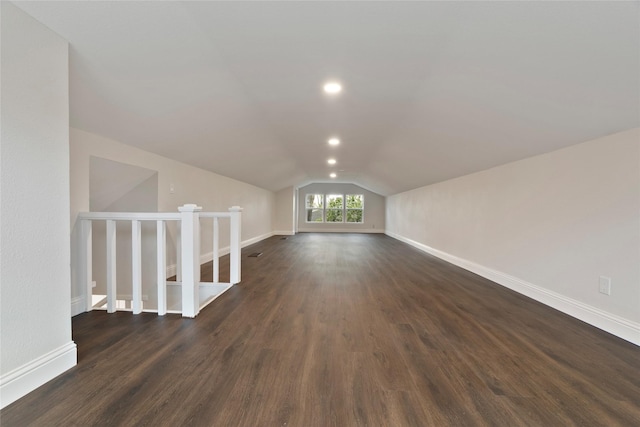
point(235, 240)
point(190, 248)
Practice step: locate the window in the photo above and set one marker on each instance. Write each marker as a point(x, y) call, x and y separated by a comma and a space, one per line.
point(334, 205)
point(355, 208)
point(335, 208)
point(315, 204)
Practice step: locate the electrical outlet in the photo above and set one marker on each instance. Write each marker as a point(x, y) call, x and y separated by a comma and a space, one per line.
point(172, 189)
point(605, 285)
point(94, 284)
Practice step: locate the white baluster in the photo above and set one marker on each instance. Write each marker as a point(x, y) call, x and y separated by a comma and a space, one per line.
point(216, 255)
point(190, 242)
point(86, 272)
point(162, 267)
point(235, 239)
point(178, 252)
point(136, 266)
point(111, 266)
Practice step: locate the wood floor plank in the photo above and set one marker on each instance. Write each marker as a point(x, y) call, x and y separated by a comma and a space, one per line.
point(343, 330)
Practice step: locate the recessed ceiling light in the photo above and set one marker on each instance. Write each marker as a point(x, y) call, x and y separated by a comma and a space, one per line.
point(331, 161)
point(332, 175)
point(332, 87)
point(334, 141)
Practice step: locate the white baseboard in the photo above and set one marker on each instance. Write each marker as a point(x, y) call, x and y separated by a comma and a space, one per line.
point(256, 239)
point(77, 306)
point(28, 377)
point(341, 230)
point(284, 233)
point(616, 325)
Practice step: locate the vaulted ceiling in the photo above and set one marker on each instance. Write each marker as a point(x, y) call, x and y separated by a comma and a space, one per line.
point(432, 90)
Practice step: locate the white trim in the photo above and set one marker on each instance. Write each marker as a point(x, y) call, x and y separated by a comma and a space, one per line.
point(217, 214)
point(284, 233)
point(28, 377)
point(131, 216)
point(77, 306)
point(615, 325)
point(220, 288)
point(341, 230)
point(256, 239)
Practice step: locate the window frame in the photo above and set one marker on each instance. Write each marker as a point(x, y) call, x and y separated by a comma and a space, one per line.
point(347, 209)
point(308, 208)
point(324, 201)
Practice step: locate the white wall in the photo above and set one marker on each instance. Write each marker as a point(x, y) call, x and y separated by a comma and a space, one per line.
point(283, 217)
point(34, 249)
point(548, 226)
point(374, 209)
point(191, 185)
point(109, 181)
point(143, 197)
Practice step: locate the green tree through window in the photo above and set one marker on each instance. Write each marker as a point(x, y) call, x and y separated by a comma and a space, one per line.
point(334, 208)
point(355, 208)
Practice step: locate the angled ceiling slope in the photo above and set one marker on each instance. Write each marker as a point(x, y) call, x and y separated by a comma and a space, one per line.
point(432, 90)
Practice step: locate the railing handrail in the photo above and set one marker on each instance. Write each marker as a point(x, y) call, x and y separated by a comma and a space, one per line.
point(146, 216)
point(215, 214)
point(131, 216)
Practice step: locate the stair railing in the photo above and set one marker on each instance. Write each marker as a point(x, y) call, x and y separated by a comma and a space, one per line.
point(188, 218)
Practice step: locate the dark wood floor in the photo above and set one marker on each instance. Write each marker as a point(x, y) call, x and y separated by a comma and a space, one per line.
point(344, 330)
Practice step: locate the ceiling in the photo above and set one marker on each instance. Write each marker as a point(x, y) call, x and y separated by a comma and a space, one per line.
point(432, 90)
